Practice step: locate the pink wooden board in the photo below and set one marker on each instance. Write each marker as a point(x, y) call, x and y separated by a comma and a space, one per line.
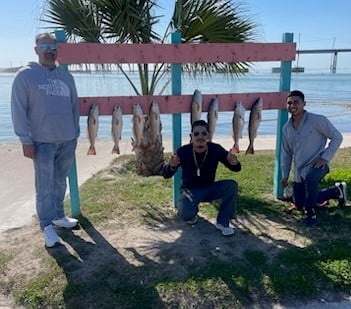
point(69, 53)
point(171, 104)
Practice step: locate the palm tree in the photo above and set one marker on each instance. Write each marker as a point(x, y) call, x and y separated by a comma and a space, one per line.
point(133, 21)
point(212, 21)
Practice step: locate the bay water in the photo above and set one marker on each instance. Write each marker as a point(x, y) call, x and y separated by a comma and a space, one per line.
point(326, 94)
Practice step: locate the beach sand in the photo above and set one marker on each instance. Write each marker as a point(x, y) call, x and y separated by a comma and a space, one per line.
point(17, 182)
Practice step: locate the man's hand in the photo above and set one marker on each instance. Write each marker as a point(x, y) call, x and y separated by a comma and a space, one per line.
point(29, 151)
point(284, 182)
point(174, 161)
point(232, 159)
point(319, 163)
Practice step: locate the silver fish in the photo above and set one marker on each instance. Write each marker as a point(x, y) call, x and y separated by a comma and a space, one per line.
point(117, 124)
point(196, 106)
point(155, 121)
point(138, 124)
point(212, 117)
point(254, 122)
point(238, 122)
point(93, 125)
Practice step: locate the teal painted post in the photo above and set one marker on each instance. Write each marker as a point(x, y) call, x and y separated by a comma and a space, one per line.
point(285, 81)
point(176, 70)
point(72, 177)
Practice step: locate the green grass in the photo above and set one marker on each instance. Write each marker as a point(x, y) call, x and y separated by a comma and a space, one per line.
point(118, 197)
point(4, 259)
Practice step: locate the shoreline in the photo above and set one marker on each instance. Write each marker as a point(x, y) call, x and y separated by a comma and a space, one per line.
point(18, 199)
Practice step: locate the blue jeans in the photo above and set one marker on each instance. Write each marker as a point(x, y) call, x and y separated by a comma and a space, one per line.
point(306, 192)
point(223, 190)
point(52, 163)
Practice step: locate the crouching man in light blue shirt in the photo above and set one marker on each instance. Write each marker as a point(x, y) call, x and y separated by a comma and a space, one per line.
point(305, 146)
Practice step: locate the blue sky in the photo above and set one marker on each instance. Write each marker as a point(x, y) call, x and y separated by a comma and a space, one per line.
point(315, 24)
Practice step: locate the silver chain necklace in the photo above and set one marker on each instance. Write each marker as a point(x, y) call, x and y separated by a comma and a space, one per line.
point(198, 168)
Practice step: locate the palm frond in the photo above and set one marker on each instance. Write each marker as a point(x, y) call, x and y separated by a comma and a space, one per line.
point(129, 20)
point(203, 21)
point(78, 18)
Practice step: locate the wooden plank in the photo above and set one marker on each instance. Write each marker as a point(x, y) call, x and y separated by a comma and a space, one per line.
point(171, 104)
point(70, 53)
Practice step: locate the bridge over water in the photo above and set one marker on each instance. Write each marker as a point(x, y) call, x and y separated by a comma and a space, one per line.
point(334, 51)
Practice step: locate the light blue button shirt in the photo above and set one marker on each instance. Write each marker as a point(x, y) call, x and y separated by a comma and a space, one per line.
point(300, 147)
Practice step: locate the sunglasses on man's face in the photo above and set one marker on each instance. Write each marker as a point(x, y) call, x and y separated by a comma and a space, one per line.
point(197, 133)
point(45, 47)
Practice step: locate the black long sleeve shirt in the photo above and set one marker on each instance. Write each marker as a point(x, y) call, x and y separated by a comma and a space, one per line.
point(208, 167)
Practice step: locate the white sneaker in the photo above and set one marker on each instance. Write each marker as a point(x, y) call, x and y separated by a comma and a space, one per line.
point(342, 188)
point(225, 230)
point(66, 222)
point(50, 236)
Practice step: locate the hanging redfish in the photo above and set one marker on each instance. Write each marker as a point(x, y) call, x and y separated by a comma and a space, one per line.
point(238, 122)
point(138, 125)
point(93, 125)
point(196, 106)
point(117, 124)
point(155, 121)
point(254, 122)
point(212, 117)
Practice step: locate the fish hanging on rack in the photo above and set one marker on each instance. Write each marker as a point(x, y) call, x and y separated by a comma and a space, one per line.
point(212, 117)
point(92, 128)
point(254, 122)
point(238, 122)
point(138, 125)
point(155, 121)
point(196, 106)
point(116, 130)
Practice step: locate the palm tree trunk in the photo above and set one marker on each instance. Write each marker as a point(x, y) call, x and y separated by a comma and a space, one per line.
point(149, 154)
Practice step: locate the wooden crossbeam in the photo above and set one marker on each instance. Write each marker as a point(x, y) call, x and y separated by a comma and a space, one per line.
point(172, 104)
point(70, 53)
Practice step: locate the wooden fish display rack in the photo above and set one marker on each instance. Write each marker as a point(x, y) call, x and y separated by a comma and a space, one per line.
point(176, 103)
point(78, 53)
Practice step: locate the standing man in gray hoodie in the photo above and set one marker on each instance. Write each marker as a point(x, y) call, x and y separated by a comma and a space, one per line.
point(45, 115)
point(309, 143)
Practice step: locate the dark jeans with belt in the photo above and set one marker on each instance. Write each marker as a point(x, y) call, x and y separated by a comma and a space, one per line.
point(307, 193)
point(224, 190)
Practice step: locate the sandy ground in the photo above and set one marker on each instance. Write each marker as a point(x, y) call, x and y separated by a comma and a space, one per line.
point(17, 198)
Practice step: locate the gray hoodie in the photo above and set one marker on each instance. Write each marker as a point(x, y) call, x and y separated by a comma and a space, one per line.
point(44, 105)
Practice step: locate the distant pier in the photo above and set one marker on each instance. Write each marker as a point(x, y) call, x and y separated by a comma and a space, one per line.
point(334, 51)
point(294, 70)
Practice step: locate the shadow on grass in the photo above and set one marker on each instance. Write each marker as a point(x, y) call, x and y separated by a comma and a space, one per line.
point(98, 276)
point(177, 265)
point(320, 266)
